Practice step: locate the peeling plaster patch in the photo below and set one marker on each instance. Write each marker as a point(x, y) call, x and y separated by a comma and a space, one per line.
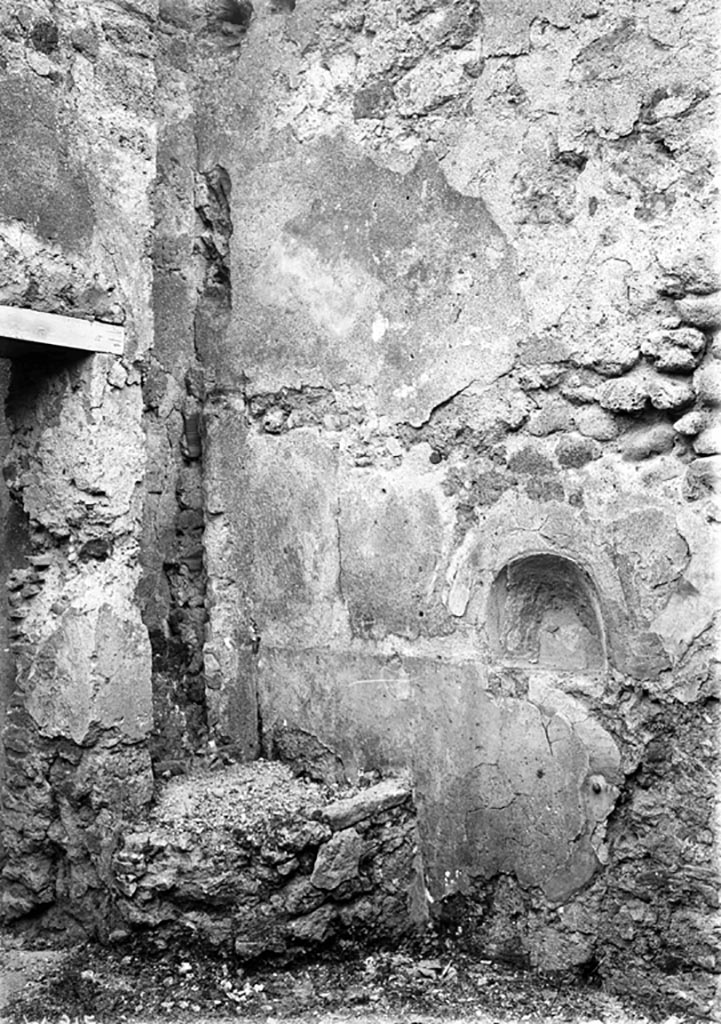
point(96, 467)
point(502, 785)
point(273, 510)
point(548, 692)
point(291, 507)
point(360, 704)
point(458, 593)
point(508, 26)
point(702, 539)
point(650, 554)
point(357, 277)
point(510, 801)
point(395, 533)
point(85, 674)
point(693, 603)
point(431, 83)
point(688, 615)
point(42, 183)
point(608, 97)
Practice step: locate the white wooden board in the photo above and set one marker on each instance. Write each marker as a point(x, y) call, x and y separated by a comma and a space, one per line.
point(27, 325)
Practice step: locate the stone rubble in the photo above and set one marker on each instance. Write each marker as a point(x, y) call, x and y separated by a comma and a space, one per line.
point(254, 861)
point(410, 466)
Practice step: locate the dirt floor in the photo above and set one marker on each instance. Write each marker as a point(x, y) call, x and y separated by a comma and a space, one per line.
point(92, 985)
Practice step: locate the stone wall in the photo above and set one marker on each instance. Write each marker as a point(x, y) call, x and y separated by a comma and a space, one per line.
point(460, 438)
point(410, 460)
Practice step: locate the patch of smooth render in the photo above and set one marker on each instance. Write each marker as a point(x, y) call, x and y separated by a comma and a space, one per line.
point(508, 785)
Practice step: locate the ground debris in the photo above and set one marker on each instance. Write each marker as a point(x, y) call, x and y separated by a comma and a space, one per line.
point(132, 983)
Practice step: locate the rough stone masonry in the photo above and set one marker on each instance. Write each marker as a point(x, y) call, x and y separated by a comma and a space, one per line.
point(409, 464)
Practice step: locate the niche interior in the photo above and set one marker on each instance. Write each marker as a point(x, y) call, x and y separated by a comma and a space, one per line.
point(544, 613)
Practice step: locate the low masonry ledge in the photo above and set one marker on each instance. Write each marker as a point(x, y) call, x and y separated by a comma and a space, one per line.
point(260, 863)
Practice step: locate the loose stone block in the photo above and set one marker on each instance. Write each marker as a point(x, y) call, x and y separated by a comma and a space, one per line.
point(337, 860)
point(341, 814)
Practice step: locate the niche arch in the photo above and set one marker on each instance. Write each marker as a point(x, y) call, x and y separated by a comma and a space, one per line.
point(544, 613)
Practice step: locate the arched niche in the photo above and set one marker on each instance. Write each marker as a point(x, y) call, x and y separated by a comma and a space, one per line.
point(544, 613)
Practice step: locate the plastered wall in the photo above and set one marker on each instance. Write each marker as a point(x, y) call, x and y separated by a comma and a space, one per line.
point(410, 459)
point(460, 436)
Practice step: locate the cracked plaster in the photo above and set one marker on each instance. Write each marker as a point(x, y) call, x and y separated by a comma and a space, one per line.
point(359, 349)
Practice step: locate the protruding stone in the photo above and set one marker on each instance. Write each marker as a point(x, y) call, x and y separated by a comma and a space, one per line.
point(690, 423)
point(626, 394)
point(530, 460)
point(655, 440)
point(708, 441)
point(630, 394)
point(693, 273)
point(707, 381)
point(595, 422)
point(550, 418)
point(702, 311)
point(703, 477)
point(678, 351)
point(670, 394)
point(610, 356)
point(386, 794)
point(313, 928)
point(337, 860)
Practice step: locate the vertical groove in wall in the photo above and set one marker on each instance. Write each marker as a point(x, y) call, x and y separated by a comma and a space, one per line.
point(192, 297)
